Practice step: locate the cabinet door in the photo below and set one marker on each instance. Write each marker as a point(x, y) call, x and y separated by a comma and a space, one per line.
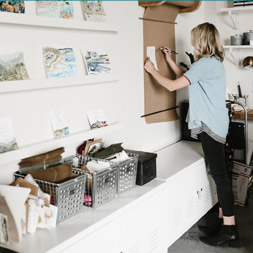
point(141, 229)
point(206, 190)
point(100, 241)
point(182, 203)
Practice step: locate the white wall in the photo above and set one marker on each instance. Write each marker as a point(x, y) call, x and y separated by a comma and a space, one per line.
point(121, 101)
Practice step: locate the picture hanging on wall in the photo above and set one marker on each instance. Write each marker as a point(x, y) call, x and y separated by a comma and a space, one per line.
point(7, 137)
point(93, 10)
point(12, 6)
point(55, 9)
point(60, 62)
point(12, 67)
point(97, 63)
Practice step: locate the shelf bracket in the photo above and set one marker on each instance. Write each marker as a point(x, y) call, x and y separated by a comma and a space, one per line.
point(234, 17)
point(234, 55)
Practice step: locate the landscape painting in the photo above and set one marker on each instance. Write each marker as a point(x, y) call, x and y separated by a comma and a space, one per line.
point(93, 10)
point(55, 9)
point(60, 62)
point(97, 63)
point(12, 6)
point(12, 67)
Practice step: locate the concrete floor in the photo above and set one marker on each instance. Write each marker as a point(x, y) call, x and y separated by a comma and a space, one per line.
point(190, 243)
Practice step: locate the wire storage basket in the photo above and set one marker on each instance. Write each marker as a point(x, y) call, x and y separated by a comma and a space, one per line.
point(127, 172)
point(67, 196)
point(100, 187)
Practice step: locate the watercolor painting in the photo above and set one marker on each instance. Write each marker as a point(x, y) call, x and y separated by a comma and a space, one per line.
point(55, 9)
point(7, 136)
point(12, 6)
point(97, 63)
point(12, 67)
point(60, 62)
point(93, 10)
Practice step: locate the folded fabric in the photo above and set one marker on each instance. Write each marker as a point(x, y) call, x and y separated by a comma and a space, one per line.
point(54, 174)
point(97, 166)
point(109, 151)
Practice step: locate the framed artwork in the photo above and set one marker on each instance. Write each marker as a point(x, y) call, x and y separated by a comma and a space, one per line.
point(60, 62)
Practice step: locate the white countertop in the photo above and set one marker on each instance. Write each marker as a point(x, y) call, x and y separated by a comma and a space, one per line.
point(77, 227)
point(170, 161)
point(176, 157)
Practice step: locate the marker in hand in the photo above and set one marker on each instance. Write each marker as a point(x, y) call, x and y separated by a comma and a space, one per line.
point(168, 51)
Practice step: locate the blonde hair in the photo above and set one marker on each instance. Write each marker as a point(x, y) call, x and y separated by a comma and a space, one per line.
point(206, 41)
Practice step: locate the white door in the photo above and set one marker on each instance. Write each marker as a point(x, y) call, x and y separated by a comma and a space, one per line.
point(182, 202)
point(100, 241)
point(206, 189)
point(141, 229)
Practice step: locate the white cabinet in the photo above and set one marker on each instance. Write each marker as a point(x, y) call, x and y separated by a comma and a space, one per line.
point(141, 228)
point(207, 194)
point(190, 194)
point(101, 240)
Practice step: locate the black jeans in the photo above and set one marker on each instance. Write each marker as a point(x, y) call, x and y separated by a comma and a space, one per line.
point(215, 156)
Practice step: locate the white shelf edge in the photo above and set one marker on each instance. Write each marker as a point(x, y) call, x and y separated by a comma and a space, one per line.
point(238, 47)
point(241, 8)
point(44, 146)
point(34, 20)
point(34, 84)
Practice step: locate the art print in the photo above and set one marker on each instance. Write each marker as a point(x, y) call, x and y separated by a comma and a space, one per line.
point(60, 62)
point(93, 10)
point(55, 9)
point(12, 6)
point(97, 63)
point(12, 67)
point(7, 137)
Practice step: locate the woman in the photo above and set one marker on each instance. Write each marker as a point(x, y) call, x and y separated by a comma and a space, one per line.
point(207, 119)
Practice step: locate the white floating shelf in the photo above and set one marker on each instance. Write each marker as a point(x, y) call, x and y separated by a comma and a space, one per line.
point(237, 9)
point(234, 14)
point(34, 20)
point(40, 147)
point(33, 84)
point(234, 55)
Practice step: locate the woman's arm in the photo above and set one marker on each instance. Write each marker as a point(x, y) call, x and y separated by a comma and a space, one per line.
point(177, 70)
point(167, 83)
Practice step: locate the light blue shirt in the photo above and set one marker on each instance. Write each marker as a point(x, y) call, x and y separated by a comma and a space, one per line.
point(207, 96)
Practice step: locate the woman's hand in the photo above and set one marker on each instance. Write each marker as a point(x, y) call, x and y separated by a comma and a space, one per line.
point(167, 54)
point(149, 66)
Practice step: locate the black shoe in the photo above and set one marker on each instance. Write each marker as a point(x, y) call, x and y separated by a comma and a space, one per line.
point(213, 229)
point(227, 235)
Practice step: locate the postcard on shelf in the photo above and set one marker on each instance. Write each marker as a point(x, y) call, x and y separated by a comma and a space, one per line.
point(12, 6)
point(60, 62)
point(151, 55)
point(7, 137)
point(55, 9)
point(96, 62)
point(93, 10)
point(96, 119)
point(59, 123)
point(12, 67)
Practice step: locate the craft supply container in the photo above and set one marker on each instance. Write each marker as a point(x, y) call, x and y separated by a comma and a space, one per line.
point(101, 187)
point(146, 170)
point(127, 171)
point(67, 196)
